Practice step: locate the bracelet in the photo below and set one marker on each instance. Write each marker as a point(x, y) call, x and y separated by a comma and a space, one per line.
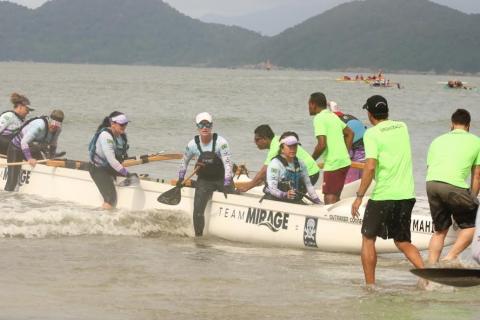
point(359, 195)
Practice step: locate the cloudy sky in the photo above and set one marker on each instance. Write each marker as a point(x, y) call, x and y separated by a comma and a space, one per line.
point(198, 8)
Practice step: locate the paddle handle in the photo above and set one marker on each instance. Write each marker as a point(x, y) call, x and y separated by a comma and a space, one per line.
point(151, 158)
point(190, 176)
point(13, 164)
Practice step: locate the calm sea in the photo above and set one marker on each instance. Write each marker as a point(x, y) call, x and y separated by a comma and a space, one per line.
point(62, 261)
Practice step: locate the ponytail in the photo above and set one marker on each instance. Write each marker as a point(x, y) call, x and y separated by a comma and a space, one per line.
point(107, 120)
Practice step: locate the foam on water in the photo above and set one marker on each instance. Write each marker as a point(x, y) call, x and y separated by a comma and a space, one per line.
point(33, 217)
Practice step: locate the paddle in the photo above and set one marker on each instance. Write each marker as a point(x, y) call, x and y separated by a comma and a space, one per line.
point(173, 196)
point(73, 164)
point(12, 164)
point(152, 158)
point(449, 276)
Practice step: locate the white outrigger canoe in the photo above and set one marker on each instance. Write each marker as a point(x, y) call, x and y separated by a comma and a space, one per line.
point(238, 218)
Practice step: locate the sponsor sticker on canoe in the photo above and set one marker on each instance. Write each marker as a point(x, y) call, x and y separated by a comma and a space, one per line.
point(272, 220)
point(310, 232)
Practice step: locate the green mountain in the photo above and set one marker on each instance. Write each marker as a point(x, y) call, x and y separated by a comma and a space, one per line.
point(393, 34)
point(117, 31)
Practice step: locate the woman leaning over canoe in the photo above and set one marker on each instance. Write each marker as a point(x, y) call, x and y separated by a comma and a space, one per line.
point(107, 149)
point(40, 131)
point(287, 176)
point(12, 120)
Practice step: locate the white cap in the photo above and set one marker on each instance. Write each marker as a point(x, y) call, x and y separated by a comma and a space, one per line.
point(204, 116)
point(334, 106)
point(120, 119)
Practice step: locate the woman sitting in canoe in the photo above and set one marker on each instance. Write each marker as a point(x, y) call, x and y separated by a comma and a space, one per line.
point(287, 176)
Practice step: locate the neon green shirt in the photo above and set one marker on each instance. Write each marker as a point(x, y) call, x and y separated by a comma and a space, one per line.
point(302, 154)
point(329, 125)
point(389, 143)
point(451, 157)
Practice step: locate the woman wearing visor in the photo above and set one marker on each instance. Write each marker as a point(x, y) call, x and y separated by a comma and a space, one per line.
point(287, 176)
point(107, 150)
point(12, 120)
point(40, 130)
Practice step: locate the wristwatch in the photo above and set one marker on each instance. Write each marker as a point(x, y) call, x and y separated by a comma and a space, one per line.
point(359, 195)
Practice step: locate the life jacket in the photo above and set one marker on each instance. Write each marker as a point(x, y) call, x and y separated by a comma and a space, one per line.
point(120, 149)
point(292, 179)
point(26, 123)
point(212, 168)
point(358, 129)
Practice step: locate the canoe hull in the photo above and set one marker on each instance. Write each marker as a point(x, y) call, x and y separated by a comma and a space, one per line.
point(239, 218)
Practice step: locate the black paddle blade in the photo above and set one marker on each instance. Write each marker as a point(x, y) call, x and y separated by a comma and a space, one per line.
point(171, 197)
point(450, 277)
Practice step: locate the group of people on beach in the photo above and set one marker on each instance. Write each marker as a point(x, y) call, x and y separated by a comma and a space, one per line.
point(290, 172)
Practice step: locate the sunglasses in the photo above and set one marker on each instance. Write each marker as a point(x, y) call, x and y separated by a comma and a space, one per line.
point(203, 125)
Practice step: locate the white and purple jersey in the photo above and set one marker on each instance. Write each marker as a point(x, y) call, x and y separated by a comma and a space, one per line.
point(36, 131)
point(105, 153)
point(10, 122)
point(222, 150)
point(277, 172)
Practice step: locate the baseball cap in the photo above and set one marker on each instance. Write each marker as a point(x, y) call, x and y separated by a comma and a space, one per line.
point(290, 141)
point(120, 119)
point(204, 116)
point(376, 105)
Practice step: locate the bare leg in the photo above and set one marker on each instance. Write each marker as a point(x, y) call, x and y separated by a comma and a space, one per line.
point(411, 252)
point(435, 246)
point(464, 239)
point(369, 259)
point(107, 206)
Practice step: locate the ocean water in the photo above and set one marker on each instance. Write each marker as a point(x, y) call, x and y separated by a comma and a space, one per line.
point(63, 261)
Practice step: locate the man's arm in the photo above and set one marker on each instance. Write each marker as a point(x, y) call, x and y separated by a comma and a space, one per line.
point(320, 148)
point(475, 184)
point(348, 136)
point(367, 177)
point(259, 178)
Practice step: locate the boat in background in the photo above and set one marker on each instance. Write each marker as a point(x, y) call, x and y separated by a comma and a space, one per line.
point(240, 217)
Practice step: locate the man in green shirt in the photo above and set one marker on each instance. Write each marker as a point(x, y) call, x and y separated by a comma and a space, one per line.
point(334, 139)
point(452, 157)
point(266, 139)
point(388, 212)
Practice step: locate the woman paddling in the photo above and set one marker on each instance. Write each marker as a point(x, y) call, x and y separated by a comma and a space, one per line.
point(108, 149)
point(287, 176)
point(12, 120)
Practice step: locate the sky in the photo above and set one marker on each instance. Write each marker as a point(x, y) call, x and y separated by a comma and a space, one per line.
point(199, 8)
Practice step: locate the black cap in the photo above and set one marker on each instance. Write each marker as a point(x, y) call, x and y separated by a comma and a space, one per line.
point(376, 105)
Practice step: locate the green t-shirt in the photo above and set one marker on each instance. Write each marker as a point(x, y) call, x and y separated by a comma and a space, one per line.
point(389, 143)
point(451, 157)
point(302, 154)
point(329, 125)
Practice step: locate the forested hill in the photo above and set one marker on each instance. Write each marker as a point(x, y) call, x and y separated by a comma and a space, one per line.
point(118, 32)
point(394, 34)
point(390, 34)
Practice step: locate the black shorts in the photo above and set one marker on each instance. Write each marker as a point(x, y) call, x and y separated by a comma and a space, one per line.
point(447, 201)
point(388, 219)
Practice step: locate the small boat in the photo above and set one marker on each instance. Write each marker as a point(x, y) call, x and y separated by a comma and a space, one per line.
point(238, 218)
